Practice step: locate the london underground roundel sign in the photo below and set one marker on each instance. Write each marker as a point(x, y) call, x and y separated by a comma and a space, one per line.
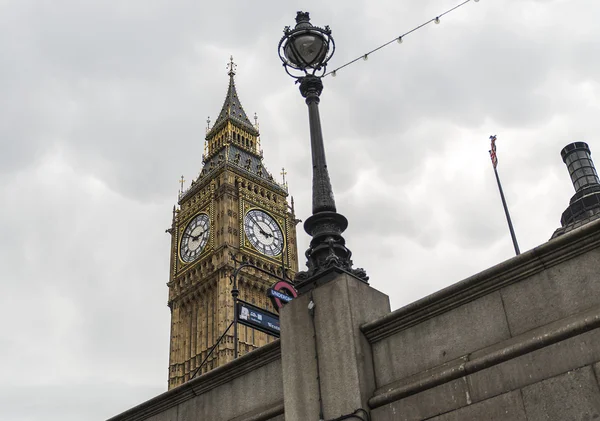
point(281, 293)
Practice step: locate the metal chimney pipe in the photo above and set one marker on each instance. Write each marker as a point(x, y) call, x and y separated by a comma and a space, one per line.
point(585, 203)
point(578, 158)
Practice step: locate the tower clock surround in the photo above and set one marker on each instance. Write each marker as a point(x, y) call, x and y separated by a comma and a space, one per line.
point(263, 232)
point(194, 238)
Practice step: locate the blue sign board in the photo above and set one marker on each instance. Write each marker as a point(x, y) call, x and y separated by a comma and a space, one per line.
point(257, 318)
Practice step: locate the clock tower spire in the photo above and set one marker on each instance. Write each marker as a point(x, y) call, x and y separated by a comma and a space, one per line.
point(232, 125)
point(234, 207)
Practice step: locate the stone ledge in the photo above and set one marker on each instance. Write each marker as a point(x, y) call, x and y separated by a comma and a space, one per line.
point(506, 350)
point(516, 269)
point(195, 387)
point(262, 414)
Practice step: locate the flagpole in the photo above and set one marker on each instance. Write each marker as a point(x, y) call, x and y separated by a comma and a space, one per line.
point(494, 158)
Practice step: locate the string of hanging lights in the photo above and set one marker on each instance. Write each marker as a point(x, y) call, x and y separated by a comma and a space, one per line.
point(398, 39)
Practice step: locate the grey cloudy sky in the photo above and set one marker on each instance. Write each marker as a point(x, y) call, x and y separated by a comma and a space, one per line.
point(103, 107)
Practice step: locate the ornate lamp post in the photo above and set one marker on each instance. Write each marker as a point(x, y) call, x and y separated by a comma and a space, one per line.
point(305, 51)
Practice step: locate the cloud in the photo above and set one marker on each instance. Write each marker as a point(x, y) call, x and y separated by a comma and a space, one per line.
point(74, 402)
point(104, 107)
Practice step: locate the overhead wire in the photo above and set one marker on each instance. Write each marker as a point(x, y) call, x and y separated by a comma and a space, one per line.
point(398, 39)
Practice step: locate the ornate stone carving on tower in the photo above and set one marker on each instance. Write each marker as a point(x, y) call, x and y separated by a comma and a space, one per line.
point(233, 207)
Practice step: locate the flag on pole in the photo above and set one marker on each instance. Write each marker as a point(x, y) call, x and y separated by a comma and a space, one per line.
point(494, 158)
point(493, 155)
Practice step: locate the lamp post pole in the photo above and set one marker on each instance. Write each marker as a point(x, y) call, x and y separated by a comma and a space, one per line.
point(307, 49)
point(322, 193)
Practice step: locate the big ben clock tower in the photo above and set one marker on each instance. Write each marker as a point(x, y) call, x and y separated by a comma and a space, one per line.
point(234, 207)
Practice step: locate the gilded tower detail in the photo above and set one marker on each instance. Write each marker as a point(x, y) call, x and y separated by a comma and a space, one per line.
point(234, 207)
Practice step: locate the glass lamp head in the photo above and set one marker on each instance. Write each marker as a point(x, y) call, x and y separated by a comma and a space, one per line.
point(306, 48)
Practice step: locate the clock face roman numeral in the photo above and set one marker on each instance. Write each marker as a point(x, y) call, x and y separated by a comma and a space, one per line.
point(263, 232)
point(194, 238)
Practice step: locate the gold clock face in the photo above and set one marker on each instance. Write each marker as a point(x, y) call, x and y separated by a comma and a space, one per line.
point(263, 232)
point(194, 238)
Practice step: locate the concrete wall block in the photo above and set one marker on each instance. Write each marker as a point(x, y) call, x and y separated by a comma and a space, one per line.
point(535, 366)
point(337, 351)
point(196, 408)
point(597, 372)
point(558, 292)
point(571, 396)
point(344, 353)
point(252, 391)
point(345, 362)
point(256, 389)
point(435, 341)
point(368, 303)
point(507, 407)
point(264, 413)
point(432, 402)
point(168, 415)
point(298, 360)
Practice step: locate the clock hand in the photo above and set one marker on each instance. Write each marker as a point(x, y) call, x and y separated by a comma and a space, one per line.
point(195, 238)
point(267, 235)
point(255, 221)
point(257, 224)
point(263, 231)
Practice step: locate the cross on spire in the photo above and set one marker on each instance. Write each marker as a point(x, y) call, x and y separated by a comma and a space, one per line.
point(283, 174)
point(231, 66)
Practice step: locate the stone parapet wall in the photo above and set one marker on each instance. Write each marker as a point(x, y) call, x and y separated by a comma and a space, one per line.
point(247, 389)
point(517, 342)
point(510, 341)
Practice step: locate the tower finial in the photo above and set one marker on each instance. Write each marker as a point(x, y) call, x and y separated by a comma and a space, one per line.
point(283, 174)
point(181, 181)
point(231, 66)
point(256, 121)
point(207, 124)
